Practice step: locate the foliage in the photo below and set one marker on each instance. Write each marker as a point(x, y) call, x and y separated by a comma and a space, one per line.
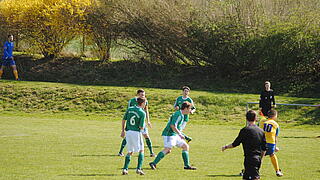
point(47, 24)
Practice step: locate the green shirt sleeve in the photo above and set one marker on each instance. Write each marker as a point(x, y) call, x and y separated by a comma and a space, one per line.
point(142, 120)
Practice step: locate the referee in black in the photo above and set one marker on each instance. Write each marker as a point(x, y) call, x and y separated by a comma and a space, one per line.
point(254, 146)
point(267, 100)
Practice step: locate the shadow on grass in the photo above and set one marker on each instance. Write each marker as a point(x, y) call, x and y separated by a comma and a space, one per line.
point(88, 175)
point(297, 137)
point(95, 155)
point(224, 175)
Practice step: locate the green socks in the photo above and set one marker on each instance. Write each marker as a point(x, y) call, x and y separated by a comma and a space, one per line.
point(149, 144)
point(127, 161)
point(159, 157)
point(123, 144)
point(140, 160)
point(185, 157)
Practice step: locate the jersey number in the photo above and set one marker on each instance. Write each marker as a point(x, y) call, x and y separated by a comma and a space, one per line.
point(267, 127)
point(132, 120)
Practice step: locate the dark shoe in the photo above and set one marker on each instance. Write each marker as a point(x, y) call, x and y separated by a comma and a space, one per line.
point(241, 173)
point(190, 168)
point(153, 166)
point(153, 155)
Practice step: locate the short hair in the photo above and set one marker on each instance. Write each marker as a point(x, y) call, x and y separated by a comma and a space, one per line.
point(185, 87)
point(185, 104)
point(140, 91)
point(141, 100)
point(272, 113)
point(10, 35)
point(251, 115)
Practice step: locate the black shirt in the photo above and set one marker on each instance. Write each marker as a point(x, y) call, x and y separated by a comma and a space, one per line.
point(266, 98)
point(253, 140)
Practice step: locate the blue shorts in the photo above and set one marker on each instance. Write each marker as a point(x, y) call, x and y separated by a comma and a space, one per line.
point(8, 62)
point(271, 148)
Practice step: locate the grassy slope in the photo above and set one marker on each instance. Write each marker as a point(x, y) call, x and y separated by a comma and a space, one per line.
point(59, 100)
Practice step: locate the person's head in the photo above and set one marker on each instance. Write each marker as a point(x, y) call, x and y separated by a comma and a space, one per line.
point(10, 37)
point(141, 93)
point(267, 85)
point(185, 90)
point(141, 102)
point(186, 107)
point(272, 114)
point(251, 116)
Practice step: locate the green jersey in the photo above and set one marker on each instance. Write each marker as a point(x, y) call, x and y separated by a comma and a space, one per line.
point(175, 119)
point(179, 101)
point(133, 102)
point(135, 117)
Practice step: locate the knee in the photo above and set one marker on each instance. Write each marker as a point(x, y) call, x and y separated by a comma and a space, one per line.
point(185, 147)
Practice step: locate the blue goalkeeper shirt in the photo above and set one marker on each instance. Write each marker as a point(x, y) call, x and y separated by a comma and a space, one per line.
point(8, 50)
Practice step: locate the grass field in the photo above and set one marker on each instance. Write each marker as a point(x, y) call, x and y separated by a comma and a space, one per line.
point(67, 131)
point(69, 148)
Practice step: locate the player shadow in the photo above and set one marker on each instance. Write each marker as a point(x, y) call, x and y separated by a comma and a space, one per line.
point(297, 137)
point(88, 175)
point(224, 175)
point(95, 155)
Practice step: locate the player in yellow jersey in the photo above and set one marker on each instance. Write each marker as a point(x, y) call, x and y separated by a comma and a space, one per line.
point(271, 129)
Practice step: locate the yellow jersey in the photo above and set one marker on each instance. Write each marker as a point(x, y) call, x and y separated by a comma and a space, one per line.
point(271, 130)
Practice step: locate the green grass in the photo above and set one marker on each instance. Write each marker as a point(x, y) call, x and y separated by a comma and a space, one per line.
point(69, 131)
point(40, 147)
point(58, 99)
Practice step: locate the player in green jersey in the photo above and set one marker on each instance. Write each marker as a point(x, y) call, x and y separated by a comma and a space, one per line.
point(177, 105)
point(132, 102)
point(132, 126)
point(172, 136)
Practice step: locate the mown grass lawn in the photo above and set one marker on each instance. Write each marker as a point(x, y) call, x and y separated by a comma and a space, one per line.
point(76, 148)
point(69, 131)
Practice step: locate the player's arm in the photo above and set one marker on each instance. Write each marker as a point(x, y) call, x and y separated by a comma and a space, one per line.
point(193, 109)
point(141, 123)
point(147, 116)
point(5, 51)
point(235, 143)
point(273, 100)
point(176, 106)
point(123, 125)
point(263, 146)
point(260, 102)
point(175, 129)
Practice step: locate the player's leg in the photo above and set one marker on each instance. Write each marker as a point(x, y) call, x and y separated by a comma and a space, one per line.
point(1, 70)
point(252, 166)
point(185, 154)
point(274, 160)
point(140, 162)
point(14, 69)
point(145, 134)
point(140, 147)
point(126, 163)
point(123, 144)
point(169, 143)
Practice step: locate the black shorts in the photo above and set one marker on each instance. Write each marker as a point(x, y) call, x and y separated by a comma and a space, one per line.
point(251, 167)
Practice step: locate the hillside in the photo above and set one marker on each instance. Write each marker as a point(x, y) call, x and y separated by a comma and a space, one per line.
point(110, 102)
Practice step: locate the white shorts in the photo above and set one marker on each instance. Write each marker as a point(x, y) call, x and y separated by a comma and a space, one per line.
point(171, 141)
point(145, 130)
point(134, 141)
